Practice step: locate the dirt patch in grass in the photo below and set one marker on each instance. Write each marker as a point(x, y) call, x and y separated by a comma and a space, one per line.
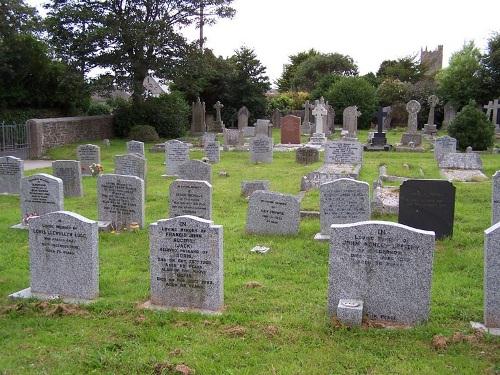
point(46, 308)
point(253, 285)
point(270, 331)
point(165, 368)
point(235, 331)
point(441, 342)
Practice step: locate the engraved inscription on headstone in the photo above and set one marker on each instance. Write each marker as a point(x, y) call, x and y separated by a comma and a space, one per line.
point(261, 149)
point(212, 152)
point(195, 170)
point(444, 145)
point(11, 173)
point(386, 265)
point(306, 155)
point(135, 147)
point(190, 197)
point(41, 194)
point(69, 171)
point(186, 264)
point(88, 155)
point(176, 154)
point(131, 165)
point(248, 187)
point(343, 152)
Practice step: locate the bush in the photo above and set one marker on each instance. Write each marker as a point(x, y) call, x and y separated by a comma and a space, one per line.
point(348, 91)
point(287, 101)
point(392, 91)
point(98, 108)
point(143, 133)
point(167, 114)
point(472, 128)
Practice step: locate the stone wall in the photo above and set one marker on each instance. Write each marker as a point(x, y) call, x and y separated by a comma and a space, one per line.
point(51, 132)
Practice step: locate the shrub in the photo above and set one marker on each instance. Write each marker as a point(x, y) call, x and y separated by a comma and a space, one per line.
point(286, 101)
point(143, 133)
point(392, 91)
point(348, 91)
point(472, 128)
point(167, 114)
point(98, 108)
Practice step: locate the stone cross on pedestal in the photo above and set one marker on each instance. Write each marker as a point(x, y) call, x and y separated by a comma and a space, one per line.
point(433, 100)
point(492, 110)
point(319, 112)
point(413, 107)
point(218, 106)
point(381, 115)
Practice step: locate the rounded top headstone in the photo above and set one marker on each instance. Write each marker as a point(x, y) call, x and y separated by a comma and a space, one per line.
point(413, 106)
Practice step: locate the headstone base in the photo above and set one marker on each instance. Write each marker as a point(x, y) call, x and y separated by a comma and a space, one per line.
point(27, 294)
point(20, 226)
point(463, 175)
point(104, 226)
point(318, 139)
point(385, 200)
point(430, 129)
point(350, 139)
point(322, 237)
point(406, 148)
point(149, 306)
point(350, 312)
point(369, 147)
point(327, 173)
point(482, 327)
point(406, 138)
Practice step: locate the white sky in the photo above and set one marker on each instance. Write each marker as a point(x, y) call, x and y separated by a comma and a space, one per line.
point(369, 31)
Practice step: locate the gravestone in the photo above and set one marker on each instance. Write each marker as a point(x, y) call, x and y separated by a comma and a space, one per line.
point(208, 137)
point(198, 124)
point(261, 149)
point(306, 155)
point(320, 112)
point(233, 138)
point(492, 277)
point(248, 187)
point(343, 152)
point(120, 200)
point(387, 117)
point(456, 160)
point(412, 135)
point(195, 170)
point(64, 259)
point(444, 145)
point(248, 132)
point(218, 124)
point(131, 165)
point(135, 147)
point(11, 173)
point(492, 112)
point(212, 152)
point(342, 201)
point(87, 155)
point(176, 154)
point(186, 264)
point(495, 198)
point(40, 194)
point(450, 112)
point(378, 142)
point(430, 128)
point(330, 119)
point(190, 197)
point(273, 213)
point(263, 127)
point(69, 171)
point(386, 265)
point(243, 115)
point(307, 113)
point(276, 118)
point(428, 205)
point(290, 130)
point(351, 115)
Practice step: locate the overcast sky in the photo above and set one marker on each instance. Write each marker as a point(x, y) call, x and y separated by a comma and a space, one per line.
point(369, 31)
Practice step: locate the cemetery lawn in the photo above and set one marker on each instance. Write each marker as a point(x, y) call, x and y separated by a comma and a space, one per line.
point(275, 319)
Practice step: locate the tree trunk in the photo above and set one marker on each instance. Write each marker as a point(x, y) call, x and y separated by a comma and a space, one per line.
point(139, 74)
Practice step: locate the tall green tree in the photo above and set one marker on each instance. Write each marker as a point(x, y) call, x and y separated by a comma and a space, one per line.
point(405, 69)
point(17, 17)
point(285, 81)
point(131, 37)
point(490, 68)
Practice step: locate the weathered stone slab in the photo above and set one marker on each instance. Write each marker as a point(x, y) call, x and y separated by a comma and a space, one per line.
point(261, 149)
point(88, 155)
point(342, 201)
point(273, 213)
point(263, 127)
point(343, 152)
point(233, 138)
point(195, 170)
point(207, 138)
point(64, 259)
point(186, 264)
point(290, 130)
point(469, 160)
point(327, 173)
point(492, 276)
point(190, 197)
point(11, 173)
point(428, 205)
point(248, 187)
point(243, 115)
point(135, 147)
point(70, 172)
point(41, 194)
point(386, 265)
point(306, 155)
point(212, 152)
point(120, 200)
point(248, 132)
point(176, 154)
point(131, 165)
point(495, 198)
point(444, 145)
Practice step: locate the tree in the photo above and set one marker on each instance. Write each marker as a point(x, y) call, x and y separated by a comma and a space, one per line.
point(392, 91)
point(131, 37)
point(285, 81)
point(405, 69)
point(461, 80)
point(348, 91)
point(490, 68)
point(16, 17)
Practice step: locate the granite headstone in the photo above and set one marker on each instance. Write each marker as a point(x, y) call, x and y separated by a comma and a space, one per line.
point(190, 197)
point(492, 277)
point(176, 154)
point(87, 155)
point(40, 194)
point(69, 171)
point(261, 149)
point(11, 173)
point(135, 147)
point(131, 165)
point(195, 170)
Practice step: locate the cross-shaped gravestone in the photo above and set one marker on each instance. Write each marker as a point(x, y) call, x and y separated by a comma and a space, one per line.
point(319, 112)
point(489, 109)
point(218, 106)
point(413, 107)
point(433, 100)
point(496, 108)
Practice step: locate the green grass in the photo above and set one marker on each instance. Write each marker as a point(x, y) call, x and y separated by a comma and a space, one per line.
point(114, 336)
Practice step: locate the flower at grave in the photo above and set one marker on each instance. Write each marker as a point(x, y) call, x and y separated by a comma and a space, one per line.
point(205, 160)
point(96, 169)
point(27, 217)
point(133, 226)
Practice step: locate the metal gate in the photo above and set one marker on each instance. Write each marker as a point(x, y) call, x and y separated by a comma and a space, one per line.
point(14, 140)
